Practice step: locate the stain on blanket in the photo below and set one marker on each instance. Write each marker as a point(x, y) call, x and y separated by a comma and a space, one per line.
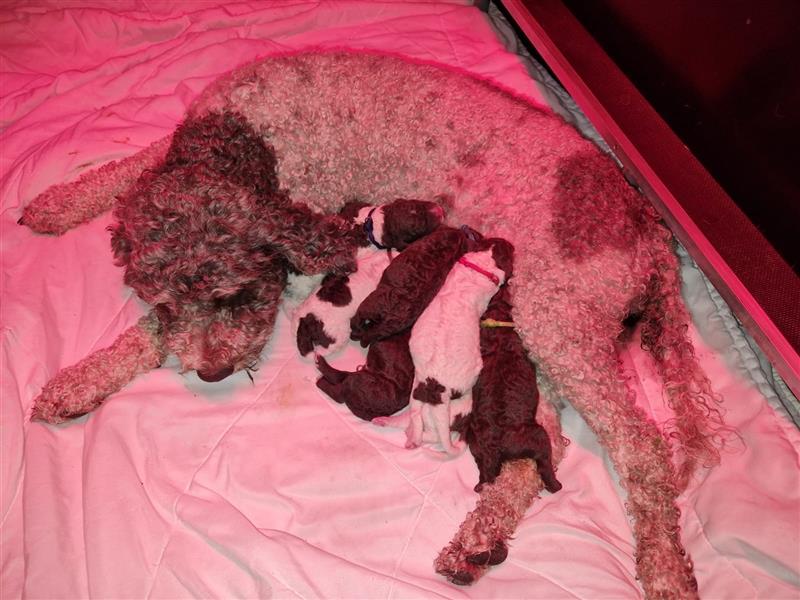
point(595, 208)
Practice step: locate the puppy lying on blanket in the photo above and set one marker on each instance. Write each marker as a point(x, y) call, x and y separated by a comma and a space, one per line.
point(445, 345)
point(502, 425)
point(379, 388)
point(322, 322)
point(409, 283)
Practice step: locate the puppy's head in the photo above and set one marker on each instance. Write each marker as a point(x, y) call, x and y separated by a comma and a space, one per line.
point(503, 255)
point(404, 221)
point(351, 210)
point(499, 307)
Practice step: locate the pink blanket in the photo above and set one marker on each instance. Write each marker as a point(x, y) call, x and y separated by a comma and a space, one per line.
point(179, 488)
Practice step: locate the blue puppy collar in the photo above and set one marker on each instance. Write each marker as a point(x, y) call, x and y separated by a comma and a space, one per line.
point(368, 228)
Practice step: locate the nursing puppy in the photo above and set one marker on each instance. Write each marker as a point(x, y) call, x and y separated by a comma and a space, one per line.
point(502, 425)
point(322, 322)
point(409, 283)
point(445, 344)
point(379, 388)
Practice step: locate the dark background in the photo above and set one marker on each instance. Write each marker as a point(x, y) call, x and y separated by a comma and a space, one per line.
point(725, 76)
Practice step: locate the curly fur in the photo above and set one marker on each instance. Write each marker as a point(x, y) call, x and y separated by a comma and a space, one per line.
point(81, 388)
point(207, 238)
point(483, 538)
point(502, 424)
point(348, 126)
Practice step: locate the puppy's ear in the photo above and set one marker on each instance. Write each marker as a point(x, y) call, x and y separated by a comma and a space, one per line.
point(473, 239)
point(503, 255)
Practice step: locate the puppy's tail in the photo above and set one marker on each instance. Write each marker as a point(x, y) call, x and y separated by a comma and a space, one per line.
point(697, 426)
point(66, 205)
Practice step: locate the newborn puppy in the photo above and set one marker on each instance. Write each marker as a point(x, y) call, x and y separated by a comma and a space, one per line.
point(379, 388)
point(445, 344)
point(502, 425)
point(409, 283)
point(322, 322)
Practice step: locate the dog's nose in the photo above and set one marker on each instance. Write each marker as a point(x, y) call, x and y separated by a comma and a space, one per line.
point(213, 376)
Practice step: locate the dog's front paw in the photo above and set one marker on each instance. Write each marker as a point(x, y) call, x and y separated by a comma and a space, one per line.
point(495, 556)
point(454, 564)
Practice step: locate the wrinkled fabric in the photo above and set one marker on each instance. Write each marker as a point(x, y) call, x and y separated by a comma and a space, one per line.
point(178, 488)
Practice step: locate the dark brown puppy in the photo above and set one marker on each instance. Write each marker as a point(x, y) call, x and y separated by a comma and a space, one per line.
point(502, 425)
point(381, 387)
point(409, 283)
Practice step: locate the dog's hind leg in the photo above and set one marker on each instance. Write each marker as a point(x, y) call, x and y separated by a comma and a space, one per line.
point(331, 389)
point(66, 205)
point(78, 389)
point(698, 422)
point(482, 539)
point(590, 376)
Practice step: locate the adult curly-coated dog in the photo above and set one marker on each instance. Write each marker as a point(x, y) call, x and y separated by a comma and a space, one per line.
point(207, 239)
point(590, 251)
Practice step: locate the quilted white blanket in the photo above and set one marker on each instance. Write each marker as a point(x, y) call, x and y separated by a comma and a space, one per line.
point(178, 488)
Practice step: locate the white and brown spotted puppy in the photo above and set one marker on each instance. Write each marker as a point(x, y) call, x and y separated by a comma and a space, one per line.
point(445, 345)
point(322, 322)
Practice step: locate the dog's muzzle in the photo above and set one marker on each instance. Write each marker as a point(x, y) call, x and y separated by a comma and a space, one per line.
point(213, 376)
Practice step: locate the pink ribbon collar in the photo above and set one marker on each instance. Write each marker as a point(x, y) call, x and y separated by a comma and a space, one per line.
point(494, 278)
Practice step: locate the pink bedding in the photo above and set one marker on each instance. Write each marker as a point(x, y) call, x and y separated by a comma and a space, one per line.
point(178, 488)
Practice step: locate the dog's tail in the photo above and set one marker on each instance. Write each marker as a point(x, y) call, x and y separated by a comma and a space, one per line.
point(66, 205)
point(697, 425)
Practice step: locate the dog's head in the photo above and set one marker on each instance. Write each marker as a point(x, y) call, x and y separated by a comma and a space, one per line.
point(184, 240)
point(398, 223)
point(499, 307)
